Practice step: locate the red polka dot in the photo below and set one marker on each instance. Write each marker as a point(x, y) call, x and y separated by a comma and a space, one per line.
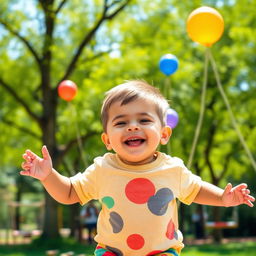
point(135, 241)
point(154, 253)
point(139, 190)
point(170, 230)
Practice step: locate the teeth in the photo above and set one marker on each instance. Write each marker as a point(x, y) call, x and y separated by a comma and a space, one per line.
point(133, 140)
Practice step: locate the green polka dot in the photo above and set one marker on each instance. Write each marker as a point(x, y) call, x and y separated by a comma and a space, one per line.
point(108, 201)
point(100, 252)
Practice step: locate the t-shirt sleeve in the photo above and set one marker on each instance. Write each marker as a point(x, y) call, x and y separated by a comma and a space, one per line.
point(85, 184)
point(190, 185)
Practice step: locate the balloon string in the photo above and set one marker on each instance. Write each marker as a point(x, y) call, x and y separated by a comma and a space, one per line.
point(167, 85)
point(78, 136)
point(232, 117)
point(202, 109)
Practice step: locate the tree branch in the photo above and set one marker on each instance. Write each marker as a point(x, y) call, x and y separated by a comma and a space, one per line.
point(64, 149)
point(11, 91)
point(89, 36)
point(109, 17)
point(23, 39)
point(21, 128)
point(226, 164)
point(96, 56)
point(79, 51)
point(60, 6)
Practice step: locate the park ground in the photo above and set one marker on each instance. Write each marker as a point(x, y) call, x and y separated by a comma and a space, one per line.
point(228, 247)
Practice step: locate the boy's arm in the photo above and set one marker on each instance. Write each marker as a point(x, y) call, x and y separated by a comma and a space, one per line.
point(60, 188)
point(212, 195)
point(57, 185)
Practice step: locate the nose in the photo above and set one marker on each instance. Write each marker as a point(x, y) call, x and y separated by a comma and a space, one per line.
point(133, 126)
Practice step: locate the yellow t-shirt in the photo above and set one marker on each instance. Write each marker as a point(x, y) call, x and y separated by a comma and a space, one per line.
point(139, 210)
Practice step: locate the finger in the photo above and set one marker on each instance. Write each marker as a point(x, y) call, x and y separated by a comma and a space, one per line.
point(243, 191)
point(249, 203)
point(45, 153)
point(26, 166)
point(23, 165)
point(247, 191)
point(25, 173)
point(26, 157)
point(32, 155)
point(240, 186)
point(228, 188)
point(251, 198)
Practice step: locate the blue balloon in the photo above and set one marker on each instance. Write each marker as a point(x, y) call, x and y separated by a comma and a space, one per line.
point(172, 118)
point(168, 64)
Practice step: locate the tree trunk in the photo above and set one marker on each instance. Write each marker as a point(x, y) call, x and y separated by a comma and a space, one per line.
point(217, 233)
point(182, 211)
point(48, 126)
point(74, 222)
point(50, 226)
point(17, 211)
point(202, 221)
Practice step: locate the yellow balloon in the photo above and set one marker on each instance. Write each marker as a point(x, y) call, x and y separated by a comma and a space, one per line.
point(205, 25)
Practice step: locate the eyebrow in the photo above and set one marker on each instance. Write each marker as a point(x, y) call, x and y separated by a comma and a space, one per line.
point(123, 116)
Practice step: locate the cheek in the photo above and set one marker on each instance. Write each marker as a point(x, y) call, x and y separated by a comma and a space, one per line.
point(115, 136)
point(154, 131)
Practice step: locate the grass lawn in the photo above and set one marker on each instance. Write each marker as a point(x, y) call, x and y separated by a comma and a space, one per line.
point(230, 249)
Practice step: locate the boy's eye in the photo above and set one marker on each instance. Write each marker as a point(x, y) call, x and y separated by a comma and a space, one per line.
point(144, 121)
point(120, 123)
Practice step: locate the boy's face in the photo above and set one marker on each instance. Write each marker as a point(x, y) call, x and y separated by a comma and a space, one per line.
point(134, 131)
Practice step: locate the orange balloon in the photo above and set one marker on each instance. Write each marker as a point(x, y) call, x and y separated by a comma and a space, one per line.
point(205, 26)
point(67, 90)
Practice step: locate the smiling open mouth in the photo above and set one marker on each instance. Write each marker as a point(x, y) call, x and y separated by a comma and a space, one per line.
point(134, 142)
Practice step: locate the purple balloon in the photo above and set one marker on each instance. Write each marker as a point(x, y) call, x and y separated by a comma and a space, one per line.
point(172, 118)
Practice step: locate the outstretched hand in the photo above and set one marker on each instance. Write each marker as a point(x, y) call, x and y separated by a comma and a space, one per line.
point(36, 166)
point(237, 195)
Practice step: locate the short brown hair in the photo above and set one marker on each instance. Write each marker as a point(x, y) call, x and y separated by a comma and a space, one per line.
point(130, 91)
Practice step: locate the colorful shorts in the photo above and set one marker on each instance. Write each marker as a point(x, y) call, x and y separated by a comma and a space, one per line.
point(102, 251)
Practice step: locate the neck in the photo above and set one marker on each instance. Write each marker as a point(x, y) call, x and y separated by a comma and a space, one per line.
point(144, 161)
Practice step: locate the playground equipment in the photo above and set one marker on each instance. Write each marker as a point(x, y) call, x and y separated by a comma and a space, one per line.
point(23, 234)
point(228, 224)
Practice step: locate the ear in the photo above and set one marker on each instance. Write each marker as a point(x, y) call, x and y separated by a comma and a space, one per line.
point(105, 140)
point(166, 134)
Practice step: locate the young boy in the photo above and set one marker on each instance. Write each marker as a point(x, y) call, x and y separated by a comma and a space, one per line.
point(137, 185)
